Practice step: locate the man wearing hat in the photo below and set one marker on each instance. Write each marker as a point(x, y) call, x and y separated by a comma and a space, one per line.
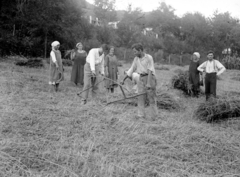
point(213, 68)
point(56, 67)
point(194, 77)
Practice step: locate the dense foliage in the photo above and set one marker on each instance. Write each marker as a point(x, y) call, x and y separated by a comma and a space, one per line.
point(27, 27)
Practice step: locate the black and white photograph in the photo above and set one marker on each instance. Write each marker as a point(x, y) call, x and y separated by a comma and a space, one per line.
point(119, 88)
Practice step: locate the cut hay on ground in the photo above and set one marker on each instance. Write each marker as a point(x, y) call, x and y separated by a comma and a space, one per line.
point(161, 67)
point(167, 102)
point(218, 109)
point(236, 78)
point(44, 134)
point(164, 101)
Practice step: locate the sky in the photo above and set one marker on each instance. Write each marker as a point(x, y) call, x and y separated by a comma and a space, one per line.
point(206, 7)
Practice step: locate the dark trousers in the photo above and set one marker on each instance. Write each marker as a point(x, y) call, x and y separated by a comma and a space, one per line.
point(210, 85)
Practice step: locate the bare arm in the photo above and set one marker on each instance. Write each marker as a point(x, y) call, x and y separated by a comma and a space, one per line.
point(221, 68)
point(201, 67)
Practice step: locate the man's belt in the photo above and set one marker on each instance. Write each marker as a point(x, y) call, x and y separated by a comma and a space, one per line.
point(143, 74)
point(212, 73)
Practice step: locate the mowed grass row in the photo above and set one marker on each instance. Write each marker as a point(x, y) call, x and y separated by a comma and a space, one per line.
point(51, 134)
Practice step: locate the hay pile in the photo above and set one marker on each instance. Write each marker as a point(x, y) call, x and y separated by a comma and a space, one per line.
point(181, 82)
point(32, 62)
point(218, 109)
point(164, 101)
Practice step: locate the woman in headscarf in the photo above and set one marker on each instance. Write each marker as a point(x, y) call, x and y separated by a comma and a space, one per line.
point(79, 59)
point(56, 67)
point(111, 69)
point(194, 77)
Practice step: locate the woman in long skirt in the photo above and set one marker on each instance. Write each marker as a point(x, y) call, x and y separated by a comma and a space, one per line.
point(194, 77)
point(79, 59)
point(111, 69)
point(56, 67)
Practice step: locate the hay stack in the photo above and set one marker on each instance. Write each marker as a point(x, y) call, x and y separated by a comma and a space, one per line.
point(32, 63)
point(166, 101)
point(218, 109)
point(181, 82)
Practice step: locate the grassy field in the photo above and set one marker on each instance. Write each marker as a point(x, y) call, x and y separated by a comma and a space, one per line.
point(47, 134)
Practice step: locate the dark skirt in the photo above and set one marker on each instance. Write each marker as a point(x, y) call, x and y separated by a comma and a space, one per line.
point(77, 74)
point(78, 68)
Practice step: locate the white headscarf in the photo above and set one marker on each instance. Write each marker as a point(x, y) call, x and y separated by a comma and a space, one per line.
point(197, 54)
point(55, 43)
point(78, 44)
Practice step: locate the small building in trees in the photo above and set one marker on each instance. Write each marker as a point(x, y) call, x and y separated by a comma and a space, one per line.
point(149, 32)
point(113, 24)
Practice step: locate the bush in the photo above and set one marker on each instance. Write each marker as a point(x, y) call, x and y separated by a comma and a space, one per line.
point(218, 109)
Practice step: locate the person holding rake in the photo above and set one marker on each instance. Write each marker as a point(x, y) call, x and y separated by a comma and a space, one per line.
point(93, 68)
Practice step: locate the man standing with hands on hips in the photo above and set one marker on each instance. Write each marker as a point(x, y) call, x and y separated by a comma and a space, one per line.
point(93, 68)
point(213, 68)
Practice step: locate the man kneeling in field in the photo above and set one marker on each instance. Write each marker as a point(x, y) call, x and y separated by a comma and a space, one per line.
point(143, 65)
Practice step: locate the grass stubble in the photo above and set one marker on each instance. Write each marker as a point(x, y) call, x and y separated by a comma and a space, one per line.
point(51, 134)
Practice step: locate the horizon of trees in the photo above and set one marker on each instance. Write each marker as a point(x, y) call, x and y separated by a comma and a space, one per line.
point(27, 27)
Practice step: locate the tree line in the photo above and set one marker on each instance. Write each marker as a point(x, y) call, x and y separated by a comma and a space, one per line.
point(27, 27)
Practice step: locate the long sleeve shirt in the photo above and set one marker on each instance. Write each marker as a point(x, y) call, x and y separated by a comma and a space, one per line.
point(53, 57)
point(213, 66)
point(142, 65)
point(94, 59)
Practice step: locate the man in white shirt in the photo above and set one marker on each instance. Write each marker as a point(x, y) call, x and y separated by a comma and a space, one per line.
point(94, 67)
point(213, 68)
point(143, 64)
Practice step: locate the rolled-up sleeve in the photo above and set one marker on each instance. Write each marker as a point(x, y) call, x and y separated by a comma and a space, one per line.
point(220, 67)
point(150, 65)
point(53, 57)
point(201, 67)
point(132, 69)
point(102, 64)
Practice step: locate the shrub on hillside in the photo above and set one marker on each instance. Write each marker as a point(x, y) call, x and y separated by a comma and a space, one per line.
point(218, 109)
